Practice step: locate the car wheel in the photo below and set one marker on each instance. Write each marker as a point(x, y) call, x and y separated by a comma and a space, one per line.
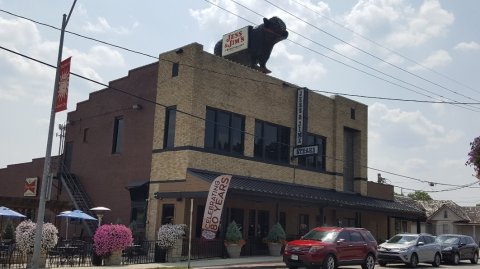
point(382, 263)
point(329, 262)
point(369, 262)
point(413, 261)
point(474, 260)
point(436, 260)
point(456, 259)
point(292, 267)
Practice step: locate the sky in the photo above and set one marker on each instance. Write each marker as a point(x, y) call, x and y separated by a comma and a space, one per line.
point(401, 58)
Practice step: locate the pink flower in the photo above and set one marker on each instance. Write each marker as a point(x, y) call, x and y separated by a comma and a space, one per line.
point(111, 237)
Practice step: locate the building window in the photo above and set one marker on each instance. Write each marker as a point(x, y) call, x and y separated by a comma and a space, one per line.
point(316, 161)
point(272, 142)
point(175, 69)
point(224, 131)
point(85, 135)
point(446, 228)
point(169, 135)
point(168, 213)
point(117, 135)
point(445, 214)
point(352, 113)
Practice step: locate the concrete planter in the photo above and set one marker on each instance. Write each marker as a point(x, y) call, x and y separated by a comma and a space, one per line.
point(234, 250)
point(275, 249)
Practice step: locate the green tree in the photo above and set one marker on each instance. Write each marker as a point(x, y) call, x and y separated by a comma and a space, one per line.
point(420, 196)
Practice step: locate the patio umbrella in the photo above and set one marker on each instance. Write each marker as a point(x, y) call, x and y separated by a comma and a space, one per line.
point(75, 214)
point(7, 212)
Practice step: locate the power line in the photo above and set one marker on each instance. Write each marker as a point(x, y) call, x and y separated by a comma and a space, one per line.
point(366, 52)
point(154, 57)
point(204, 119)
point(386, 48)
point(348, 65)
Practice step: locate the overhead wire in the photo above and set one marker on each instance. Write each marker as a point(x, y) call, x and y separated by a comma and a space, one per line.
point(349, 58)
point(386, 48)
point(206, 120)
point(366, 52)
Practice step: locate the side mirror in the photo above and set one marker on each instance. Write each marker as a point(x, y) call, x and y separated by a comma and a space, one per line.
point(420, 243)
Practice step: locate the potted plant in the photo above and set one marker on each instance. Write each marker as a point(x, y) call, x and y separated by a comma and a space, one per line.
point(110, 240)
point(167, 237)
point(234, 240)
point(25, 239)
point(276, 239)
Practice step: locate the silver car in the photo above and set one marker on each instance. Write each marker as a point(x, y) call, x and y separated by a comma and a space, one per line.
point(410, 249)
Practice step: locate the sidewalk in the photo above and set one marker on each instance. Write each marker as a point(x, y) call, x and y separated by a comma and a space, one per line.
point(243, 262)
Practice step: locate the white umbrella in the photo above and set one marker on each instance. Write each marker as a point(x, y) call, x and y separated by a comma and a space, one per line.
point(75, 214)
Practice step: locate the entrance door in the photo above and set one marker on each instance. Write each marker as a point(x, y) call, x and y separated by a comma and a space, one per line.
point(258, 225)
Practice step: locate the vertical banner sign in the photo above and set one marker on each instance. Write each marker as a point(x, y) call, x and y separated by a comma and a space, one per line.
point(213, 208)
point(62, 94)
point(300, 111)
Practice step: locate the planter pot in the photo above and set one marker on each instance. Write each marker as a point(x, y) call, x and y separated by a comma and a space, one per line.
point(114, 259)
point(160, 254)
point(234, 250)
point(275, 249)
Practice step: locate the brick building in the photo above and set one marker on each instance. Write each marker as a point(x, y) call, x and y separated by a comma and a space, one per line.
point(200, 116)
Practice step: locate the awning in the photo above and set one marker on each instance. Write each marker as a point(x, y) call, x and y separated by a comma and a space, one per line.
point(297, 192)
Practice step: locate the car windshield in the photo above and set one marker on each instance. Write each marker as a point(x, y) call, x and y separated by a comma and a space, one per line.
point(325, 236)
point(447, 240)
point(402, 239)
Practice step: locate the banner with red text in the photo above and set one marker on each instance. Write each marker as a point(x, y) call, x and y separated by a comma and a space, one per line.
point(62, 94)
point(213, 207)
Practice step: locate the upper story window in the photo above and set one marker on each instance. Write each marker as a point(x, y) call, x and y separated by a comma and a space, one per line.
point(445, 214)
point(272, 142)
point(169, 135)
point(315, 161)
point(117, 145)
point(224, 131)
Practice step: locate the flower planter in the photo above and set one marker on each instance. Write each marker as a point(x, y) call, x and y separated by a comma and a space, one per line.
point(275, 249)
point(115, 258)
point(234, 250)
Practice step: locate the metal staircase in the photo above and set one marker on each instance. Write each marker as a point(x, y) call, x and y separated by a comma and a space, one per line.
point(78, 196)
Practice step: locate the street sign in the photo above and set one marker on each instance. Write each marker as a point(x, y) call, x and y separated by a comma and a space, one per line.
point(307, 150)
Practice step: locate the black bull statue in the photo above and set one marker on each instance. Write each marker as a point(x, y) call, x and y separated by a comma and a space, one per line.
point(261, 41)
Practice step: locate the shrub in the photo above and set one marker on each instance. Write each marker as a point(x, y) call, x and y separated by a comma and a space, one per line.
point(169, 233)
point(474, 156)
point(25, 236)
point(234, 234)
point(111, 237)
point(276, 234)
point(8, 233)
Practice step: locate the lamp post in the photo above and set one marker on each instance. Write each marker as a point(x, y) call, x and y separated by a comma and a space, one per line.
point(99, 211)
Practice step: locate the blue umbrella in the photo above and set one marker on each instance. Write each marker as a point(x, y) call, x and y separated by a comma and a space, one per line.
point(7, 212)
point(75, 214)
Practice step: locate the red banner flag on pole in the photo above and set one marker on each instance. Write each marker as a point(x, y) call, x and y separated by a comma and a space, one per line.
point(213, 208)
point(62, 94)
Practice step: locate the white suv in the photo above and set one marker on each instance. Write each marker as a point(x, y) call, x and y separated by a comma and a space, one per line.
point(410, 249)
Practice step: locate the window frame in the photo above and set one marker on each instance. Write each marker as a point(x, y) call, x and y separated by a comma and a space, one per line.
point(280, 142)
point(169, 128)
point(224, 137)
point(303, 161)
point(118, 133)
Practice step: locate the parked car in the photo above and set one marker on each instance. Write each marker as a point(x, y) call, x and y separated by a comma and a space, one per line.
point(330, 247)
point(410, 249)
point(456, 247)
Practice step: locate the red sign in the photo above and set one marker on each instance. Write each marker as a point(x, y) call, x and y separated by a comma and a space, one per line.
point(62, 94)
point(213, 208)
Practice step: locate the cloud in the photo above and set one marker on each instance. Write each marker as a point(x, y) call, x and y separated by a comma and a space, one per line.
point(103, 26)
point(407, 129)
point(437, 59)
point(467, 46)
point(213, 15)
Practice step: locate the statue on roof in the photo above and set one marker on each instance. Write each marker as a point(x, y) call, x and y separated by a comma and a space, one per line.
point(252, 46)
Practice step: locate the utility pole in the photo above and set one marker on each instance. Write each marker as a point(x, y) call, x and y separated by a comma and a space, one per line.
point(46, 165)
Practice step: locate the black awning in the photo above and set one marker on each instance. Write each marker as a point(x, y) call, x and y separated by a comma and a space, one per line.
point(329, 197)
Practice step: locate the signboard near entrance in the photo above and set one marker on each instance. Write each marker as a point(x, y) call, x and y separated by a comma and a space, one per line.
point(305, 151)
point(213, 207)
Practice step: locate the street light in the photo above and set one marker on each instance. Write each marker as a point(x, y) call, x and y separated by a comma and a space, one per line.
point(99, 211)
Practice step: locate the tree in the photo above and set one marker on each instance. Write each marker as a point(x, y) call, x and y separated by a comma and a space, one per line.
point(420, 196)
point(474, 156)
